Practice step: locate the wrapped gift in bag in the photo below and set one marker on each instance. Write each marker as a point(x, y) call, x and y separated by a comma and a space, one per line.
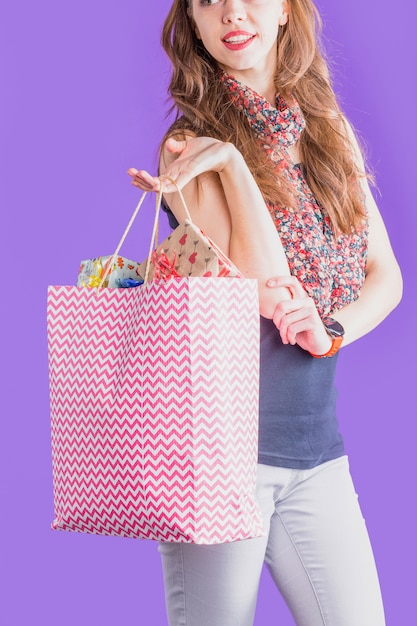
point(187, 251)
point(154, 409)
point(123, 272)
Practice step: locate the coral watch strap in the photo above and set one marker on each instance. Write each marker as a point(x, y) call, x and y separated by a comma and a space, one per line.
point(336, 343)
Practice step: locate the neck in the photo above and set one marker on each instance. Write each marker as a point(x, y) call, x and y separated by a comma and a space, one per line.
point(261, 82)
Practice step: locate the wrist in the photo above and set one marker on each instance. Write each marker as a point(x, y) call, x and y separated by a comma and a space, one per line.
point(336, 333)
point(233, 164)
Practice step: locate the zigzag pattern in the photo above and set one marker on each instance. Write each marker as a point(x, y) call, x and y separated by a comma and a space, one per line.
point(154, 409)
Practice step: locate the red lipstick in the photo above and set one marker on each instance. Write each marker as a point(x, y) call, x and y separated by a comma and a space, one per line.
point(238, 39)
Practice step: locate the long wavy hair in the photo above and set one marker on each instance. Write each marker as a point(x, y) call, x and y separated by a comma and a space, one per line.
point(204, 108)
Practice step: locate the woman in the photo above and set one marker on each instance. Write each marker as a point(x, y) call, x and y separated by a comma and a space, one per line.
point(260, 135)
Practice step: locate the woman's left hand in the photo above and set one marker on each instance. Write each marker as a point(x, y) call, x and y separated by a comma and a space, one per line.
point(298, 320)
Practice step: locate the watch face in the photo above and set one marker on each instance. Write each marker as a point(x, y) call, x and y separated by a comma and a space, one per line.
point(333, 328)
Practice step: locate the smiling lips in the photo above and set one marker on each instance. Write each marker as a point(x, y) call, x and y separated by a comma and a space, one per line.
point(238, 40)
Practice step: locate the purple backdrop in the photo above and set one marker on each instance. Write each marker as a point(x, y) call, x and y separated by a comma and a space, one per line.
point(83, 93)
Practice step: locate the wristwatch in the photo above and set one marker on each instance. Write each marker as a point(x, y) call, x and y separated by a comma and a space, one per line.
point(336, 332)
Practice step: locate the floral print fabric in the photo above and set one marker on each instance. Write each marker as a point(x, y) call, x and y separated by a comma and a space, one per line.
point(331, 269)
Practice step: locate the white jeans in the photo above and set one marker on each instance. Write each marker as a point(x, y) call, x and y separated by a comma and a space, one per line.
point(316, 548)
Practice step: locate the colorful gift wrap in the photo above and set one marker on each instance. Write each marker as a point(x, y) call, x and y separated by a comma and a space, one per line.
point(188, 252)
point(92, 271)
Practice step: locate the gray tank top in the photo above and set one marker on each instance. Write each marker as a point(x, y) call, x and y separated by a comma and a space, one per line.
point(297, 405)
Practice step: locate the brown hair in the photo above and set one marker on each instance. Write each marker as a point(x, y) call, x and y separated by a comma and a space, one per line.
point(204, 107)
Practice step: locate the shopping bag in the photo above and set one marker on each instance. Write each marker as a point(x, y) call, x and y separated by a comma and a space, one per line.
point(154, 409)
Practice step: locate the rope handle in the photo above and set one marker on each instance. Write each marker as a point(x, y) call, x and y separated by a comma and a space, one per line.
point(154, 230)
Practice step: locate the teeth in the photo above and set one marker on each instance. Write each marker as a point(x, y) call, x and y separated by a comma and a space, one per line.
point(238, 39)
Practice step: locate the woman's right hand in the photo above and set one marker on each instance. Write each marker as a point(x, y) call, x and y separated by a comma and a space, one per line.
point(193, 157)
point(227, 205)
point(297, 317)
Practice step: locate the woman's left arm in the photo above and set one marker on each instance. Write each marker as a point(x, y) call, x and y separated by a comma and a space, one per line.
point(382, 289)
point(298, 319)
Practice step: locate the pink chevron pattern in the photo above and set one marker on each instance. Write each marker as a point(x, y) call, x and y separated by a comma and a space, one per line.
point(154, 409)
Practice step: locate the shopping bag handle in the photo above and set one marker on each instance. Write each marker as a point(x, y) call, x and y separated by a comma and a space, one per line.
point(110, 263)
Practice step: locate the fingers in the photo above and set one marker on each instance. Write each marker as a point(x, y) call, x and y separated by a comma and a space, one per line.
point(143, 180)
point(295, 316)
point(292, 316)
point(194, 156)
point(293, 323)
point(174, 146)
point(290, 282)
point(285, 318)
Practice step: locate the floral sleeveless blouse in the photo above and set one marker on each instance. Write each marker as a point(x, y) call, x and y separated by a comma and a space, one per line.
point(332, 270)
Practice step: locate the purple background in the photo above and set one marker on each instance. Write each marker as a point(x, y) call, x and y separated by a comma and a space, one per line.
point(82, 99)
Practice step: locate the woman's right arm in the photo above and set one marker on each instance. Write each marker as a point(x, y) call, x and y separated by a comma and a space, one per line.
point(226, 203)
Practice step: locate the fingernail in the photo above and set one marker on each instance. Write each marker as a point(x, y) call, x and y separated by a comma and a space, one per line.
point(271, 283)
